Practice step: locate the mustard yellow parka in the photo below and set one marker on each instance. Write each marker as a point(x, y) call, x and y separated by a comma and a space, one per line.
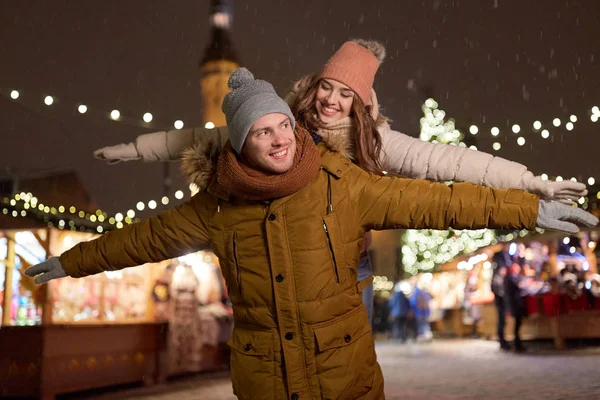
point(300, 329)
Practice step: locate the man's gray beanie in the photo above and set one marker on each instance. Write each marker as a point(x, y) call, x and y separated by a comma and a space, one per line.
point(249, 100)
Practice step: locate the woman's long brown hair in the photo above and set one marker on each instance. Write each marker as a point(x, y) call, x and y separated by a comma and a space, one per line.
point(365, 138)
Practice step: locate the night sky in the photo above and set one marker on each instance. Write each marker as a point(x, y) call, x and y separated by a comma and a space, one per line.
point(487, 62)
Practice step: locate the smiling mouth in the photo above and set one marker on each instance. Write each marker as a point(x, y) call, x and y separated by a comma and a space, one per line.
point(280, 154)
point(328, 111)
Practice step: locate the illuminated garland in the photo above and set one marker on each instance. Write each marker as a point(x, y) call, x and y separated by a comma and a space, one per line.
point(25, 205)
point(435, 130)
point(146, 119)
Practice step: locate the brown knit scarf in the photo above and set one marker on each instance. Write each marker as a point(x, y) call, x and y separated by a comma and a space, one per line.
point(240, 180)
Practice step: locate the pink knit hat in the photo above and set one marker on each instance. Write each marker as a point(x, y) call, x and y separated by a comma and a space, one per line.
point(355, 65)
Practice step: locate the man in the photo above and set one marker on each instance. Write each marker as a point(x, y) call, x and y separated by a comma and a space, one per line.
point(286, 220)
point(502, 261)
point(513, 292)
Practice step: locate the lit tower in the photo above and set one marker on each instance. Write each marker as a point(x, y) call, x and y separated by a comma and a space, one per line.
point(218, 63)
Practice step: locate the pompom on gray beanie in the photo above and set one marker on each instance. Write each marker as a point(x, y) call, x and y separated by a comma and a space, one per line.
point(249, 100)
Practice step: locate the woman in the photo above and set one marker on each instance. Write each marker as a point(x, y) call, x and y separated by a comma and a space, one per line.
point(339, 106)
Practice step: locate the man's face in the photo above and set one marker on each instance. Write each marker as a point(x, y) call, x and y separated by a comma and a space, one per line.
point(271, 145)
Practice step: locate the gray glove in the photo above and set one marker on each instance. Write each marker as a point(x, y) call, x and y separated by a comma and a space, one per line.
point(566, 191)
point(49, 269)
point(553, 216)
point(116, 154)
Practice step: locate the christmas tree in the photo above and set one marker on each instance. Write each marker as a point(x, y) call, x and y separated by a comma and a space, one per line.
point(425, 250)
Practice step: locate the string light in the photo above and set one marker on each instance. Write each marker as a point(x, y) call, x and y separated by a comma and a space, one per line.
point(591, 181)
point(496, 146)
point(545, 134)
point(544, 177)
point(569, 126)
point(179, 195)
point(152, 204)
point(178, 124)
point(521, 141)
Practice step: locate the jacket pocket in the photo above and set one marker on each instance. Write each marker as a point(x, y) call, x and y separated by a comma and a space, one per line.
point(345, 356)
point(252, 364)
point(336, 247)
point(235, 273)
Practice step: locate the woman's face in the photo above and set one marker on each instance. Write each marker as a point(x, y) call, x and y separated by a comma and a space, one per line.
point(333, 100)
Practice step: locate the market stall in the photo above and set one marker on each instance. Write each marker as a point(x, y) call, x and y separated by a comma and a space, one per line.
point(561, 290)
point(140, 324)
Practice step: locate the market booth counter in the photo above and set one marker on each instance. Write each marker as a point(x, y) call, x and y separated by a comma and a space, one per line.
point(74, 334)
point(44, 360)
point(140, 324)
point(554, 316)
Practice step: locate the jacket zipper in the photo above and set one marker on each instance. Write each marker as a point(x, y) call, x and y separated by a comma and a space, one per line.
point(335, 271)
point(237, 265)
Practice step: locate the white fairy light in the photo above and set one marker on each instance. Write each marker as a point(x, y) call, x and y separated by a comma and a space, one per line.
point(545, 134)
